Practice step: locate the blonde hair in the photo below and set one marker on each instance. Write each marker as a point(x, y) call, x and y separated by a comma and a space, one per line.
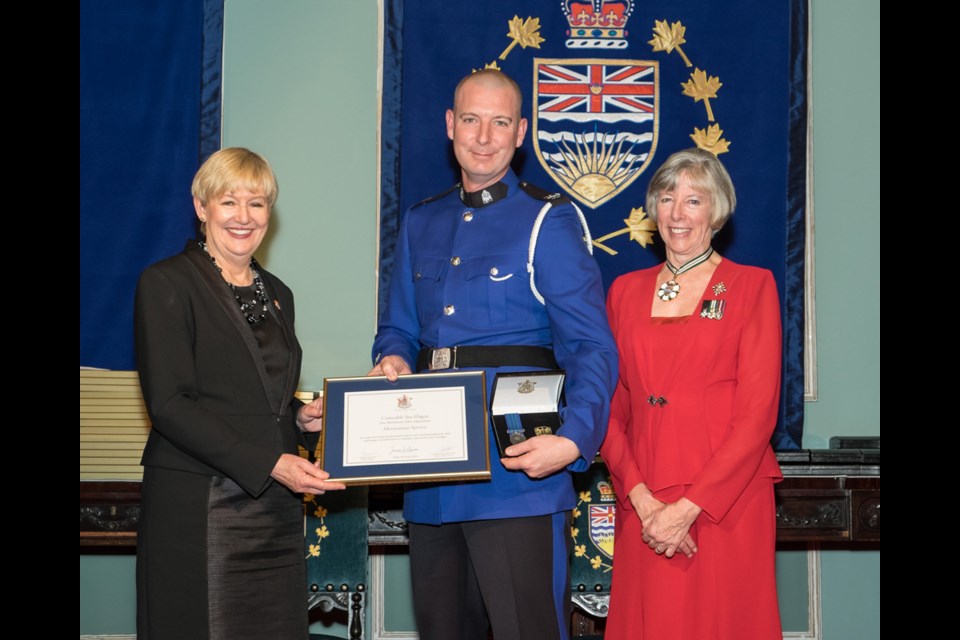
point(233, 169)
point(706, 173)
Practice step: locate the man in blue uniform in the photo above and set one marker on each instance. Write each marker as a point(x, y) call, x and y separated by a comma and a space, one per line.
point(503, 272)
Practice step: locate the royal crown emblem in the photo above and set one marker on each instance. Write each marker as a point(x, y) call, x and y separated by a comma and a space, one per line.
point(606, 491)
point(597, 24)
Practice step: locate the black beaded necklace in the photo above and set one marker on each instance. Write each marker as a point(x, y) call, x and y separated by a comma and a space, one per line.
point(259, 291)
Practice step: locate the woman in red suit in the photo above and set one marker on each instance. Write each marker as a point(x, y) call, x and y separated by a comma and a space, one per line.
point(688, 445)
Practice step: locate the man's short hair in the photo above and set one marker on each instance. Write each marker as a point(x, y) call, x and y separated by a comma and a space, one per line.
point(493, 78)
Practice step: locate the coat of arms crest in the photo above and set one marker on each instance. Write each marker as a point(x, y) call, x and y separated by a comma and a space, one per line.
point(595, 123)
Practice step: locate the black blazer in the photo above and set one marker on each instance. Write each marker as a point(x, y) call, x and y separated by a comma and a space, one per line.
point(203, 378)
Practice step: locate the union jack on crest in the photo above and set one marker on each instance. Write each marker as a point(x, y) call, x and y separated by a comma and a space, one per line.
point(601, 516)
point(595, 89)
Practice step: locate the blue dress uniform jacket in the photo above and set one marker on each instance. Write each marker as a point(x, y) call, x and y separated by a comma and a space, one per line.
point(461, 278)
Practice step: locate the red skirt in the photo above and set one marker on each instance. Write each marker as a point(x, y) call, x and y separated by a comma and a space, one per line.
point(727, 591)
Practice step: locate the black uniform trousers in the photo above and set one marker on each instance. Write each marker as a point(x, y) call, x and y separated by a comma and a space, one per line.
point(509, 575)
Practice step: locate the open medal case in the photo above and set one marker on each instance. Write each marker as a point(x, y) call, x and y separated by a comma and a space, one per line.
point(525, 405)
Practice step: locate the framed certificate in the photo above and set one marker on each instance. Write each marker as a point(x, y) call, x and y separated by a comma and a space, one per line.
point(422, 428)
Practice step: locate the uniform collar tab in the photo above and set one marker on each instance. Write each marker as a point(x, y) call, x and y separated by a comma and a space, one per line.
point(483, 197)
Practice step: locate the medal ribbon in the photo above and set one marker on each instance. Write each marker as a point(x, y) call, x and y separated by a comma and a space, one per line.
point(671, 288)
point(700, 259)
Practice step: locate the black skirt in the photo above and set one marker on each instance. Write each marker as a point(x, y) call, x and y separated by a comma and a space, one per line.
point(212, 562)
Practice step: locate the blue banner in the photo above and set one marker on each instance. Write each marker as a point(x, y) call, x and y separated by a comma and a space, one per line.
point(149, 115)
point(611, 88)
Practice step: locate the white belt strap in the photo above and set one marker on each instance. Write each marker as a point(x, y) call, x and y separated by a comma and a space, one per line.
point(532, 250)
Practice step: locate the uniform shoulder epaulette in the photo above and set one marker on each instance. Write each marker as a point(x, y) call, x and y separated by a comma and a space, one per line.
point(541, 194)
point(436, 197)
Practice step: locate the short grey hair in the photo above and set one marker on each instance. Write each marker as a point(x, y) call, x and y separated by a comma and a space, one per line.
point(706, 173)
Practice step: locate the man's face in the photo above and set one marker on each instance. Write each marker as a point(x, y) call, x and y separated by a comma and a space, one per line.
point(486, 128)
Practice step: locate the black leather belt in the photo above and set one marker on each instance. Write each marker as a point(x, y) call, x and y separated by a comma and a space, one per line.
point(484, 356)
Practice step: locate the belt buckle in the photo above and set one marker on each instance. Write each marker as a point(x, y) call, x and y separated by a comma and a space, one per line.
point(444, 358)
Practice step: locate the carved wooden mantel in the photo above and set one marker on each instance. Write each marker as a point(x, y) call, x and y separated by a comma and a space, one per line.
point(825, 496)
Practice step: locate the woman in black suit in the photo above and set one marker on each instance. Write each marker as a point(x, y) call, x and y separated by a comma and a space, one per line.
point(220, 545)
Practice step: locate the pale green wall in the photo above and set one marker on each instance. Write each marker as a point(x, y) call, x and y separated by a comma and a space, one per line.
point(398, 611)
point(792, 590)
point(306, 97)
point(307, 100)
point(846, 108)
point(107, 594)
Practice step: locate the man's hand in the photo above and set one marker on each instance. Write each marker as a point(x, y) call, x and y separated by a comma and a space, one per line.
point(391, 366)
point(541, 456)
